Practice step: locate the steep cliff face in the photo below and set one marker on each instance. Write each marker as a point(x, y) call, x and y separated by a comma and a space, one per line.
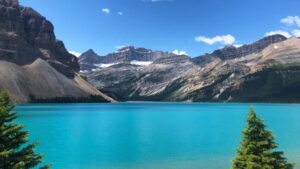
point(26, 35)
point(262, 71)
point(33, 62)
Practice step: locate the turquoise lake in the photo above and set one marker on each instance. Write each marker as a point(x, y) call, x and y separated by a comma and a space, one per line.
point(152, 135)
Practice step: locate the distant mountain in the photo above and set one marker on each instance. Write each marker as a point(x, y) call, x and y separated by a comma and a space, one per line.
point(88, 60)
point(33, 62)
point(231, 52)
point(127, 55)
point(264, 71)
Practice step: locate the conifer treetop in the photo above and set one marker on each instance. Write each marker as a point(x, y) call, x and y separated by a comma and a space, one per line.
point(15, 153)
point(257, 148)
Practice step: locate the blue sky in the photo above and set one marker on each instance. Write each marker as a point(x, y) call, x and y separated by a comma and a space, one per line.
point(192, 26)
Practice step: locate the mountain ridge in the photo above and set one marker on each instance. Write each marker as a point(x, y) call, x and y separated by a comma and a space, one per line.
point(215, 78)
point(90, 57)
point(125, 55)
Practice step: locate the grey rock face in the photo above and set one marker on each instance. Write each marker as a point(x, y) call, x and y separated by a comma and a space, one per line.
point(11, 3)
point(248, 73)
point(25, 35)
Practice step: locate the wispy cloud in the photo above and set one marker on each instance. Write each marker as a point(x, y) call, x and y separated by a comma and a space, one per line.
point(296, 32)
point(293, 30)
point(106, 11)
point(291, 20)
point(279, 32)
point(77, 54)
point(179, 52)
point(223, 39)
point(120, 13)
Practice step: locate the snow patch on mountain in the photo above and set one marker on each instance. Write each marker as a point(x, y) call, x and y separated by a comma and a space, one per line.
point(102, 65)
point(140, 63)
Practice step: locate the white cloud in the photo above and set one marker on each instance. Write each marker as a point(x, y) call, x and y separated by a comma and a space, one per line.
point(120, 13)
point(291, 20)
point(224, 39)
point(106, 11)
point(296, 32)
point(77, 54)
point(280, 32)
point(179, 52)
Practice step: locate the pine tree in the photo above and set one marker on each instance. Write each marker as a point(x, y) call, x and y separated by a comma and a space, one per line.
point(257, 148)
point(15, 152)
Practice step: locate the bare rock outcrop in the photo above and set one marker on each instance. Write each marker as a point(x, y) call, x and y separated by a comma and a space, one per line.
point(26, 35)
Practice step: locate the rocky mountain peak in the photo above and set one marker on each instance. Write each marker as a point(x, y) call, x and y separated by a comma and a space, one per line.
point(26, 35)
point(29, 12)
point(126, 49)
point(272, 39)
point(130, 49)
point(88, 53)
point(231, 52)
point(143, 50)
point(9, 3)
point(90, 56)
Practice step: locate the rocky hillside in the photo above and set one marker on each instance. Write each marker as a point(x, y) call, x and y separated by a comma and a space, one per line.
point(264, 71)
point(231, 52)
point(33, 61)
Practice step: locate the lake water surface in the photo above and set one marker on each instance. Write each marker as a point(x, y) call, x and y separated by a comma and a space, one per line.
point(152, 135)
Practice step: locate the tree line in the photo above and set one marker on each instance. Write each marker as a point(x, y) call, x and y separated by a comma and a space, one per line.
point(89, 99)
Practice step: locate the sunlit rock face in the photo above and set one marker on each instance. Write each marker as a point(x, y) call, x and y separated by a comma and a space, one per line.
point(33, 62)
point(231, 52)
point(262, 71)
point(26, 35)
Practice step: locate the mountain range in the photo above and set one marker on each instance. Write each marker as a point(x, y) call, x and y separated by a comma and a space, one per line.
point(267, 70)
point(33, 63)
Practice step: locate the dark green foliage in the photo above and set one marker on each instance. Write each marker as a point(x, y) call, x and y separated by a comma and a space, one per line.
point(277, 84)
point(15, 153)
point(257, 148)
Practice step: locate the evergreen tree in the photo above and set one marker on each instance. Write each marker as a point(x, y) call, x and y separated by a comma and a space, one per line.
point(257, 148)
point(15, 153)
